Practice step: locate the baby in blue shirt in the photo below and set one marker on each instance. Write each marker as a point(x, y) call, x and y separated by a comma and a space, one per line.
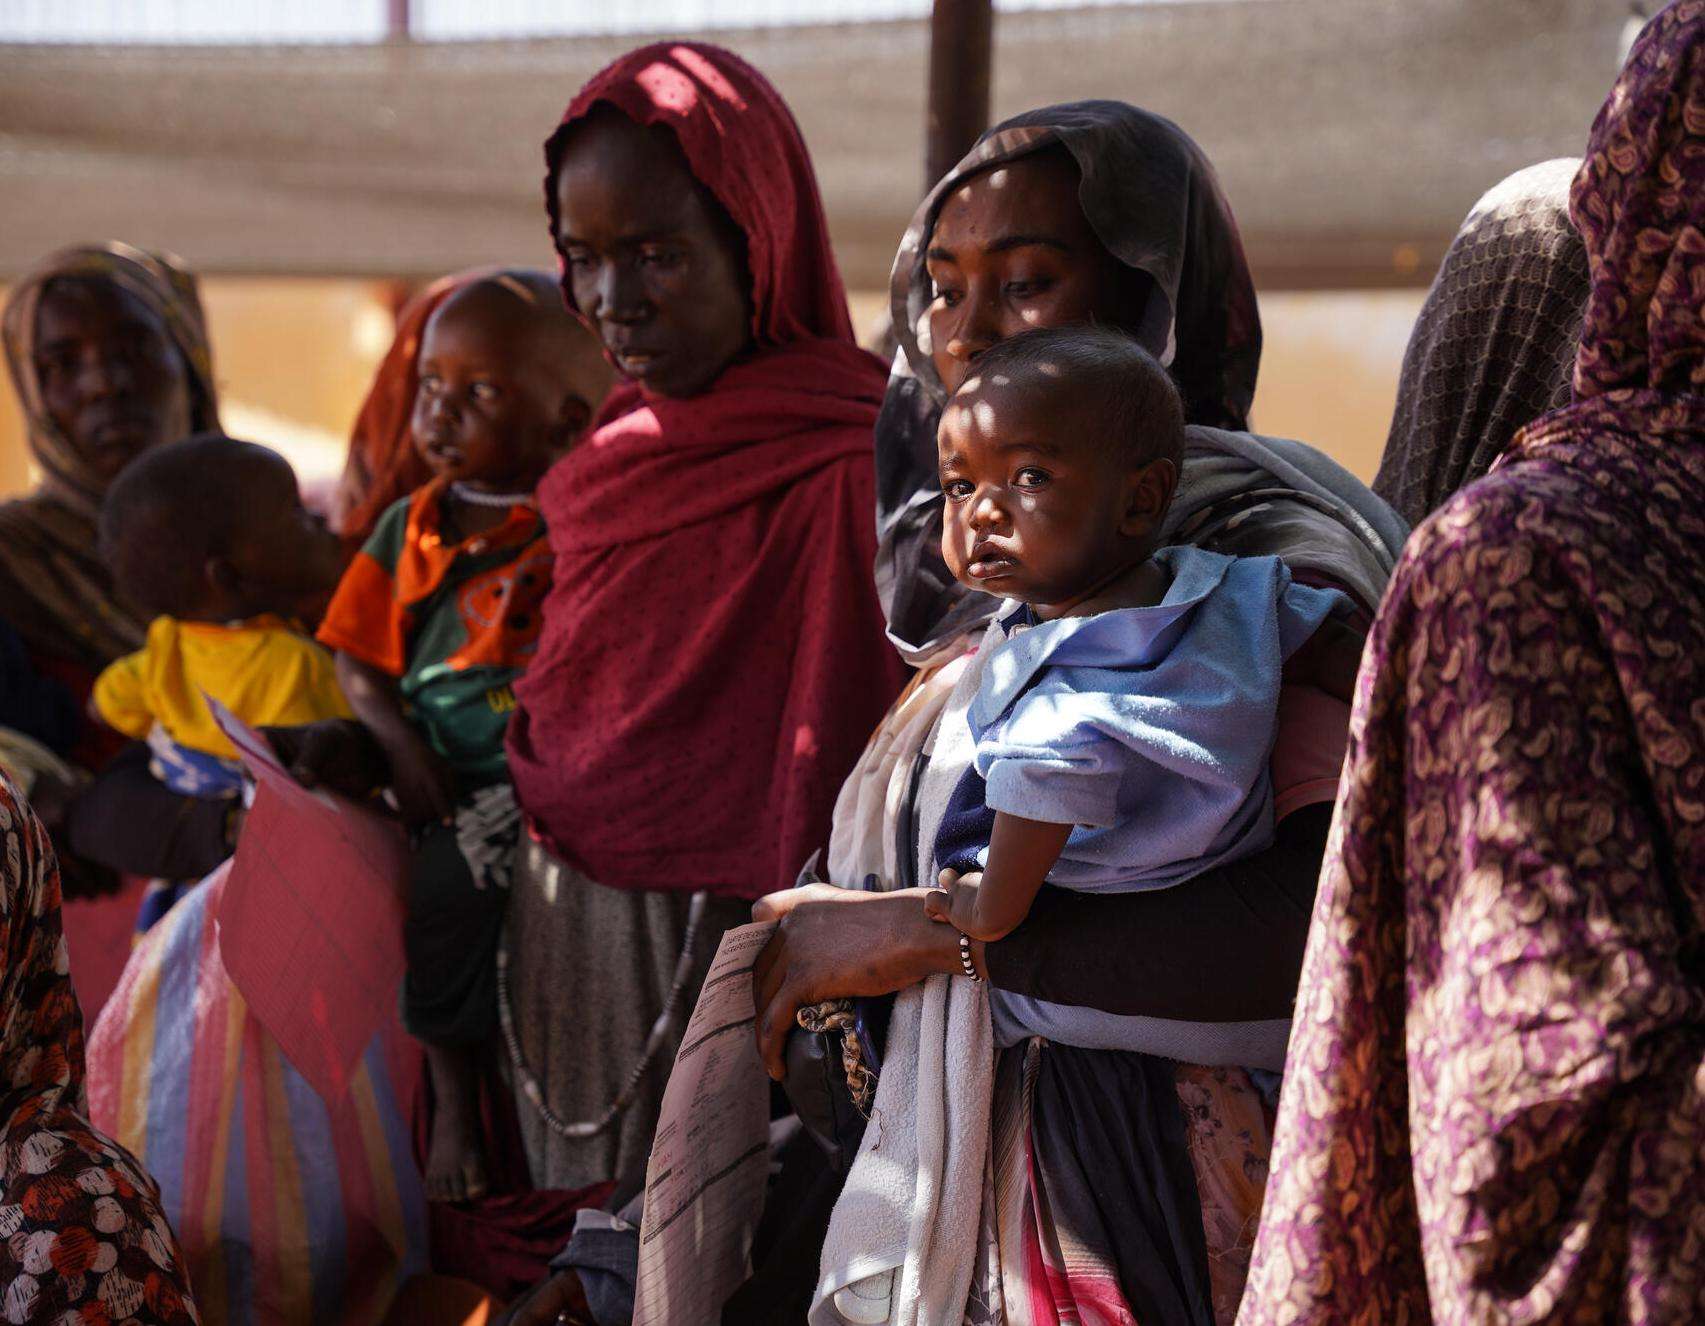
point(1124, 723)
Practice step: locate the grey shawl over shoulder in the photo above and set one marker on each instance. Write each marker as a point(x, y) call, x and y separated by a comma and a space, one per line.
point(1494, 346)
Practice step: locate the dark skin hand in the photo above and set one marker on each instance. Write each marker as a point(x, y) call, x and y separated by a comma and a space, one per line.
point(653, 261)
point(820, 951)
point(560, 1298)
point(337, 754)
point(1021, 853)
point(421, 779)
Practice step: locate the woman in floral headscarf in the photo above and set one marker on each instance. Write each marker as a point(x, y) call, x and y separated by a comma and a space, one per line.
point(109, 356)
point(1493, 1102)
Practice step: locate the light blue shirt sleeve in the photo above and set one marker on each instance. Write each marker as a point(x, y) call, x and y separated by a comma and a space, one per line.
point(1148, 729)
point(1051, 761)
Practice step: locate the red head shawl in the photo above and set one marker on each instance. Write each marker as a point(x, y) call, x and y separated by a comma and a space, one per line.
point(745, 147)
point(713, 657)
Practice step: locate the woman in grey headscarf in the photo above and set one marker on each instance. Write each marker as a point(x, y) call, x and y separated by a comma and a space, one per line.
point(1495, 344)
point(1134, 231)
point(1123, 1114)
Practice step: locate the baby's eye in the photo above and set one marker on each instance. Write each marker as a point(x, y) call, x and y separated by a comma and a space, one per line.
point(1031, 477)
point(577, 257)
point(957, 490)
point(484, 391)
point(431, 383)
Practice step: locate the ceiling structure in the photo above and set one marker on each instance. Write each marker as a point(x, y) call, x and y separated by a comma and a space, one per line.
point(1350, 135)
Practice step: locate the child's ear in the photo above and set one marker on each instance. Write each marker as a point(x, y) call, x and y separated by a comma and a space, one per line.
point(1148, 493)
point(222, 576)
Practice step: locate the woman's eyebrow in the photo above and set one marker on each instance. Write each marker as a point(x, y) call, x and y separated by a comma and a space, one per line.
point(1006, 243)
point(654, 235)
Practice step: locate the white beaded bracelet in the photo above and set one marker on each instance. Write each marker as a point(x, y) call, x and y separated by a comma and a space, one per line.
point(965, 957)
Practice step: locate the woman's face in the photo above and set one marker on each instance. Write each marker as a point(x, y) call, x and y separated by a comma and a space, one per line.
point(1012, 250)
point(654, 263)
point(112, 381)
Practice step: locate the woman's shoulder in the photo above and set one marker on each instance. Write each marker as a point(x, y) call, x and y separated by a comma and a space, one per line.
point(1538, 536)
point(1534, 508)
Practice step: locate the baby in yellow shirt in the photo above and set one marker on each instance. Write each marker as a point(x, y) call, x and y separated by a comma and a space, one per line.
point(210, 534)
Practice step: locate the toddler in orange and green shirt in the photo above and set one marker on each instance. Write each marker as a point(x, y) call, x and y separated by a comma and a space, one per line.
point(433, 621)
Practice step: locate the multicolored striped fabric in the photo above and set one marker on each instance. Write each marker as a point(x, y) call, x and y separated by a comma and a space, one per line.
point(292, 1210)
point(1122, 1188)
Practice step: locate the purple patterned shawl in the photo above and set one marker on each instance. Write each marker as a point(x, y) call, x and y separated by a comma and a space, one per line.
point(1494, 1107)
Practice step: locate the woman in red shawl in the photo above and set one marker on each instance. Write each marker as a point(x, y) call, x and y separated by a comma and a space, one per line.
point(1494, 1104)
point(713, 655)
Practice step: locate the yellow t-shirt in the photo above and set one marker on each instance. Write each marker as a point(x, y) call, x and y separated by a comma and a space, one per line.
point(261, 670)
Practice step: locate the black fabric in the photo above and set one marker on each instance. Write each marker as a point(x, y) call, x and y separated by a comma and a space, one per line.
point(128, 821)
point(1152, 198)
point(815, 1087)
point(788, 1243)
point(1225, 946)
point(1138, 1198)
point(966, 825)
point(30, 703)
point(450, 939)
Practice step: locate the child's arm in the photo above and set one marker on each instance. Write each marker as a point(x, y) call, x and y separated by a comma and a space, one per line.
point(420, 777)
point(1021, 853)
point(120, 700)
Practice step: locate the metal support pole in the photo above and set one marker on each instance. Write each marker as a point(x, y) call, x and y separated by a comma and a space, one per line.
point(397, 20)
point(961, 53)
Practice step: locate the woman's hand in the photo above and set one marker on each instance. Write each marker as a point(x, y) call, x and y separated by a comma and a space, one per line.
point(836, 943)
point(338, 754)
point(559, 1299)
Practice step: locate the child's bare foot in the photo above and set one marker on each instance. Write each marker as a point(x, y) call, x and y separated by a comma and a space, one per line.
point(455, 1153)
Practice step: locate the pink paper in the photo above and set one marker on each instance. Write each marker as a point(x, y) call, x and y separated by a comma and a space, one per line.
point(311, 920)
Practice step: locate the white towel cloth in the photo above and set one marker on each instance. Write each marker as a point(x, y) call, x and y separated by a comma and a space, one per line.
point(904, 1232)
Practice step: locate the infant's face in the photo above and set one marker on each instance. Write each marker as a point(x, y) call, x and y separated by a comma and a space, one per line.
point(1033, 506)
point(483, 408)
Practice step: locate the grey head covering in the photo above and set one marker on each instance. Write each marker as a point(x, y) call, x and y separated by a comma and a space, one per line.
point(1494, 346)
point(1152, 198)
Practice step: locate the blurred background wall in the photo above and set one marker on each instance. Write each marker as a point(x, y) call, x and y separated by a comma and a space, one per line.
point(315, 162)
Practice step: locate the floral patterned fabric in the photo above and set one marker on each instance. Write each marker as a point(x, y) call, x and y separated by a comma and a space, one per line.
point(1494, 1108)
point(82, 1238)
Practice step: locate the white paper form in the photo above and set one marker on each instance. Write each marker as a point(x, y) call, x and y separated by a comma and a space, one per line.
point(704, 1183)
